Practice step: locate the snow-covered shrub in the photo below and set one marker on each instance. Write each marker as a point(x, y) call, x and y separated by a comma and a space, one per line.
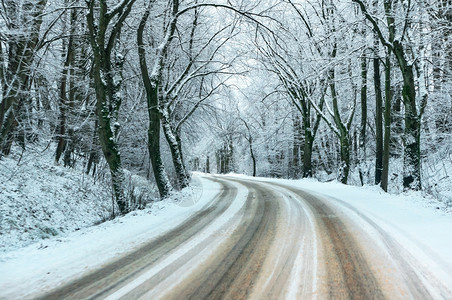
point(39, 199)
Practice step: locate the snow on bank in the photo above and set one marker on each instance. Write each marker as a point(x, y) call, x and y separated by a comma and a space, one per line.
point(39, 199)
point(419, 224)
point(42, 266)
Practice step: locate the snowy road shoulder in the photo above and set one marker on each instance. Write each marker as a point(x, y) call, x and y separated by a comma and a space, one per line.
point(43, 265)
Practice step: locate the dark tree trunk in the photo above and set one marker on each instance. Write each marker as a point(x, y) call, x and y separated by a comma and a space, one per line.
point(151, 86)
point(307, 154)
point(343, 133)
point(345, 156)
point(411, 139)
point(68, 159)
point(304, 132)
point(363, 129)
point(92, 153)
point(183, 179)
point(309, 135)
point(158, 168)
point(387, 123)
point(61, 138)
point(378, 121)
point(106, 73)
point(397, 122)
point(296, 147)
point(388, 97)
point(177, 134)
point(253, 157)
point(249, 138)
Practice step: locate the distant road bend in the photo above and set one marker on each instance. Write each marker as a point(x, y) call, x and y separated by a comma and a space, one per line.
point(275, 242)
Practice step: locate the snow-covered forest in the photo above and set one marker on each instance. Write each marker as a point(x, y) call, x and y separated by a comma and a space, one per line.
point(109, 105)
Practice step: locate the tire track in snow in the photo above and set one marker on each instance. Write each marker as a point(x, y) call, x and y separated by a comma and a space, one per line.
point(232, 271)
point(289, 271)
point(268, 256)
point(347, 273)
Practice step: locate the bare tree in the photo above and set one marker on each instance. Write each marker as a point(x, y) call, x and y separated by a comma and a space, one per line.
point(104, 26)
point(152, 87)
point(414, 106)
point(23, 21)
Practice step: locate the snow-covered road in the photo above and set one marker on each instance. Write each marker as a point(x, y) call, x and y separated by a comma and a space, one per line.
point(246, 238)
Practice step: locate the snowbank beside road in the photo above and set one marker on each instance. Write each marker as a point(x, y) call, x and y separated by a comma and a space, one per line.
point(39, 199)
point(42, 266)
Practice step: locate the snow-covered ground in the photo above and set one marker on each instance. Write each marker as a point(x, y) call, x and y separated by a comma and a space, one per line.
point(42, 265)
point(39, 199)
point(418, 223)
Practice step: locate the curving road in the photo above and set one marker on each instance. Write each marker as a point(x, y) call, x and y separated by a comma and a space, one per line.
point(259, 240)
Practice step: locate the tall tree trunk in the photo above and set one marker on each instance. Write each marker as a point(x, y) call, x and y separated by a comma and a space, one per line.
point(378, 120)
point(249, 138)
point(345, 156)
point(296, 151)
point(207, 164)
point(411, 139)
point(158, 168)
point(388, 96)
point(308, 138)
point(61, 138)
point(343, 133)
point(177, 135)
point(396, 121)
point(363, 128)
point(310, 132)
point(183, 179)
point(93, 157)
point(151, 86)
point(107, 76)
point(387, 120)
point(253, 157)
point(307, 154)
